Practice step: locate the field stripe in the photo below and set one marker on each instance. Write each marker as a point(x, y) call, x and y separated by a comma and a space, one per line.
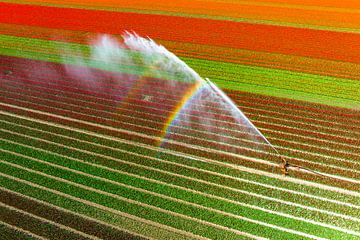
point(98, 98)
point(51, 206)
point(173, 174)
point(220, 54)
point(326, 165)
point(274, 88)
point(137, 189)
point(155, 181)
point(294, 180)
point(222, 186)
point(173, 213)
point(152, 139)
point(241, 11)
point(314, 154)
point(70, 151)
point(245, 108)
point(60, 226)
point(132, 201)
point(292, 123)
point(311, 121)
point(309, 152)
point(323, 140)
point(334, 171)
point(293, 127)
point(19, 230)
point(135, 111)
point(158, 160)
point(243, 180)
point(107, 209)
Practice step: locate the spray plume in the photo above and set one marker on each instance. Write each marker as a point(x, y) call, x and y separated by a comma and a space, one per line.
point(190, 112)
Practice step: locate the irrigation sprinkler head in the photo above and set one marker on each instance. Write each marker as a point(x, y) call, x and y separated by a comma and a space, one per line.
point(284, 166)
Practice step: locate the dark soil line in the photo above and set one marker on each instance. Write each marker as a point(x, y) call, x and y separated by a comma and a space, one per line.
point(65, 218)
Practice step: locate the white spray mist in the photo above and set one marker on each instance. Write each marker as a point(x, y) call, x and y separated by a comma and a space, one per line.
point(142, 58)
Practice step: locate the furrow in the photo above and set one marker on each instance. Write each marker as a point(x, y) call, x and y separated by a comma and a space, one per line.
point(127, 201)
point(170, 198)
point(174, 154)
point(207, 183)
point(293, 152)
point(8, 231)
point(12, 214)
point(104, 208)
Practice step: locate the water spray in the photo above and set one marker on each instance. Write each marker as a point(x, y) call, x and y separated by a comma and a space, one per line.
point(145, 59)
point(284, 165)
point(141, 58)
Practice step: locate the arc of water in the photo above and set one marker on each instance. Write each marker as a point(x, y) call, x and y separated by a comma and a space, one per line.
point(284, 164)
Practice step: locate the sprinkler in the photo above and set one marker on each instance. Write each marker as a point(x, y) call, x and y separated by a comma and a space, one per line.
point(284, 166)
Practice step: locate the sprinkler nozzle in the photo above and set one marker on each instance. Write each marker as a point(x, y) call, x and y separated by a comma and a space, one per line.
point(284, 166)
point(284, 169)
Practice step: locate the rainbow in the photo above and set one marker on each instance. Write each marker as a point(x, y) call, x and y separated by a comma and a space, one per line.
point(182, 104)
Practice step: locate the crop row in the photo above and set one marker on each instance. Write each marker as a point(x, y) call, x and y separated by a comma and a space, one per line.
point(123, 83)
point(126, 135)
point(229, 72)
point(59, 216)
point(199, 51)
point(62, 174)
point(247, 108)
point(235, 97)
point(268, 60)
point(177, 146)
point(140, 197)
point(335, 116)
point(239, 56)
point(235, 100)
point(160, 93)
point(133, 118)
point(92, 112)
point(338, 46)
point(28, 134)
point(141, 138)
point(138, 151)
point(292, 78)
point(104, 106)
point(117, 221)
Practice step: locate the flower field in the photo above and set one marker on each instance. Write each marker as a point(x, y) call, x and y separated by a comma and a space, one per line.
point(79, 162)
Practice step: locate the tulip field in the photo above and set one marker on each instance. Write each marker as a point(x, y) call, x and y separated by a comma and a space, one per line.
point(77, 161)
